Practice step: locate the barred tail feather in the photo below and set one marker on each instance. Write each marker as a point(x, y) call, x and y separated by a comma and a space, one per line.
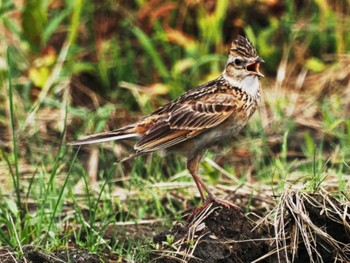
point(127, 132)
point(103, 138)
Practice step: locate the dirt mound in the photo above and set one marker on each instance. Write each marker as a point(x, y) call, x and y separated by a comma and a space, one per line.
point(217, 234)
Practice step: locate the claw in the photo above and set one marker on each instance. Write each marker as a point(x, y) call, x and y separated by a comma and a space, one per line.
point(210, 201)
point(224, 203)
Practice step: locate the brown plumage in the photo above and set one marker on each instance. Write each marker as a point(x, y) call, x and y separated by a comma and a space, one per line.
point(201, 117)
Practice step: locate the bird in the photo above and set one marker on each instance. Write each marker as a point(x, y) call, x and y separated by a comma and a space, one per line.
point(202, 117)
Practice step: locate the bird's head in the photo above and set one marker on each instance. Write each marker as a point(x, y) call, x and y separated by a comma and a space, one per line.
point(243, 60)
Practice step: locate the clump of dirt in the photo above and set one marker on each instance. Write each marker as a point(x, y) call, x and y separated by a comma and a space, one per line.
point(217, 234)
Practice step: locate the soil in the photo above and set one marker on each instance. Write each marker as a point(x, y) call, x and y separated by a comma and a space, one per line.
point(224, 235)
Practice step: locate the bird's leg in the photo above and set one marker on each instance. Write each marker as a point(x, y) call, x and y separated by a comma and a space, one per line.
point(192, 166)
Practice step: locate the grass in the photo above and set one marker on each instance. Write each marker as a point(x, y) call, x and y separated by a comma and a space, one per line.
point(78, 71)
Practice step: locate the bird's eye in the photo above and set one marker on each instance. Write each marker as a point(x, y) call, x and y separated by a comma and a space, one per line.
point(238, 62)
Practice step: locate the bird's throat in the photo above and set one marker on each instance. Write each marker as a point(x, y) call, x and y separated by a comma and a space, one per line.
point(249, 84)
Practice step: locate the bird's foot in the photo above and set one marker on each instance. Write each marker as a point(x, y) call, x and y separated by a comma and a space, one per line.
point(223, 203)
point(208, 203)
point(197, 212)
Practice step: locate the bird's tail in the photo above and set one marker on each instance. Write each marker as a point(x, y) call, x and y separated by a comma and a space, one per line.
point(127, 132)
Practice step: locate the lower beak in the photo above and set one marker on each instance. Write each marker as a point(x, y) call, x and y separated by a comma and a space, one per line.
point(254, 68)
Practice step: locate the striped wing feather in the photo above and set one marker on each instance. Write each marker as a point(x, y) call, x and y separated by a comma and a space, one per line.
point(187, 121)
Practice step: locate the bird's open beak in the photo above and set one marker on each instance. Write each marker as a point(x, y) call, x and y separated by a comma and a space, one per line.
point(254, 67)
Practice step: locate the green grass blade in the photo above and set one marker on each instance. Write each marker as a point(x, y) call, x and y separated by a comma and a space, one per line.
point(152, 52)
point(53, 24)
point(15, 175)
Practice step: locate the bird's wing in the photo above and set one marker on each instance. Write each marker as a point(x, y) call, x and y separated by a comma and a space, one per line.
point(189, 119)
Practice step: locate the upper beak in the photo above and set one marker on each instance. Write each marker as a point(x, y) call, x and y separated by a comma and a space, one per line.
point(254, 67)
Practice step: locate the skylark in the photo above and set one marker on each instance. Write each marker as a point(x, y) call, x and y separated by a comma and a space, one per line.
point(201, 117)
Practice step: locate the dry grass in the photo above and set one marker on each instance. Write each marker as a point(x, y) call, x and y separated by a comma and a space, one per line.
point(311, 227)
